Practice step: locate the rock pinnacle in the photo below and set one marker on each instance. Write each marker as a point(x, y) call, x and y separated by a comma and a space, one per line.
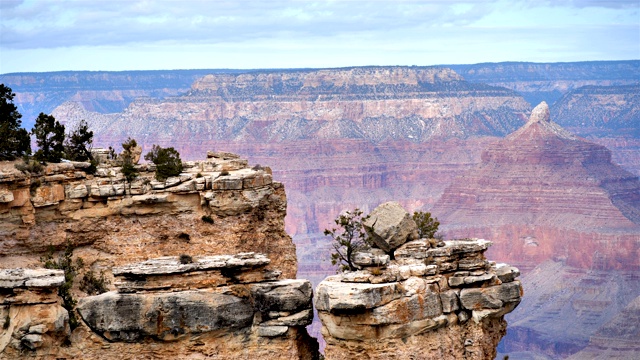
point(540, 113)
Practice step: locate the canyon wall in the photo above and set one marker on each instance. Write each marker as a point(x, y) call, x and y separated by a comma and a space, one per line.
point(556, 207)
point(161, 248)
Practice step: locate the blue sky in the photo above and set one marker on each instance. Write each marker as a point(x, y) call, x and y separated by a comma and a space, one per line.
point(39, 35)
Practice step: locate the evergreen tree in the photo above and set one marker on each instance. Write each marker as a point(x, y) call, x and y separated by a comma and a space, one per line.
point(15, 140)
point(348, 239)
point(50, 138)
point(77, 147)
point(167, 162)
point(427, 226)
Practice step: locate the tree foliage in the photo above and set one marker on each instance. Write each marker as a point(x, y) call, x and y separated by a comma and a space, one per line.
point(65, 262)
point(128, 168)
point(348, 239)
point(15, 140)
point(50, 137)
point(427, 226)
point(79, 142)
point(167, 162)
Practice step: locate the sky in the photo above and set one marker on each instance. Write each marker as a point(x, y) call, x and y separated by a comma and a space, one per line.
point(113, 35)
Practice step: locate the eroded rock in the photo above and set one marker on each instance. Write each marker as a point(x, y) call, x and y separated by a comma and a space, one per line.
point(390, 226)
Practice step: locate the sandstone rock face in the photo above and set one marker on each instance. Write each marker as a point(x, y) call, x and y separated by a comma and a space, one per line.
point(390, 226)
point(163, 247)
point(32, 319)
point(376, 104)
point(553, 197)
point(411, 308)
point(112, 223)
point(135, 314)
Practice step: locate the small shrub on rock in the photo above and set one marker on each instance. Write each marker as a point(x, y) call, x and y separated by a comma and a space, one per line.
point(30, 166)
point(427, 226)
point(92, 284)
point(167, 161)
point(349, 238)
point(207, 219)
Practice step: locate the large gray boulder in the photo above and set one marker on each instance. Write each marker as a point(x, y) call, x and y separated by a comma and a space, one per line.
point(390, 225)
point(165, 316)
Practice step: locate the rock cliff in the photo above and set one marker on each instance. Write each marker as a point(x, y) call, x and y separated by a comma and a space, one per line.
point(161, 248)
point(555, 206)
point(522, 189)
point(433, 300)
point(374, 104)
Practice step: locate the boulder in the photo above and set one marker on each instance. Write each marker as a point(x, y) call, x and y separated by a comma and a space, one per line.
point(371, 257)
point(355, 297)
point(390, 226)
point(290, 295)
point(492, 297)
point(164, 316)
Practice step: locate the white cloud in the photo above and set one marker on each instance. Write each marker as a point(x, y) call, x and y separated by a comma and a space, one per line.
point(137, 34)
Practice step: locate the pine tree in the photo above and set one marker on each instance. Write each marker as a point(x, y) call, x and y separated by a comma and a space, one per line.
point(167, 162)
point(50, 136)
point(15, 140)
point(77, 147)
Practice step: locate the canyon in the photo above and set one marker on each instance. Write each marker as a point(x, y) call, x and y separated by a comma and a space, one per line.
point(179, 275)
point(357, 137)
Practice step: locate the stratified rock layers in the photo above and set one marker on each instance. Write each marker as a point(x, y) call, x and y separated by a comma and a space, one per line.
point(178, 252)
point(444, 302)
point(550, 191)
point(215, 205)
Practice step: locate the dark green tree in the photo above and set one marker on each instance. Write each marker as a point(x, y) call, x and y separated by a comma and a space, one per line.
point(77, 146)
point(427, 226)
point(348, 239)
point(129, 144)
point(128, 168)
point(167, 162)
point(15, 140)
point(50, 138)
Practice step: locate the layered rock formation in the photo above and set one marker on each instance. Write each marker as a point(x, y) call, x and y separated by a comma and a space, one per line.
point(434, 300)
point(112, 222)
point(548, 82)
point(99, 91)
point(30, 310)
point(538, 183)
point(192, 301)
point(544, 194)
point(375, 104)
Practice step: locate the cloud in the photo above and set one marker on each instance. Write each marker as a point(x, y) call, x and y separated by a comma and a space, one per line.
point(50, 24)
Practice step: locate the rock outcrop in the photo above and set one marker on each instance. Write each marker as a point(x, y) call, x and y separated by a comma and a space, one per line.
point(30, 311)
point(180, 256)
point(545, 195)
point(539, 182)
point(215, 205)
point(444, 302)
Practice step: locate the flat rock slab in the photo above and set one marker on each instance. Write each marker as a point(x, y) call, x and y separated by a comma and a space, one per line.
point(390, 226)
point(26, 278)
point(290, 295)
point(354, 297)
point(164, 316)
point(172, 265)
point(493, 297)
